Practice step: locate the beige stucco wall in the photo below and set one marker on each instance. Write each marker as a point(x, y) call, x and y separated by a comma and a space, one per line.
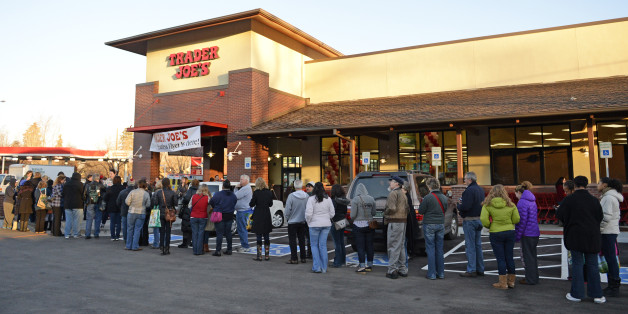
point(243, 50)
point(559, 55)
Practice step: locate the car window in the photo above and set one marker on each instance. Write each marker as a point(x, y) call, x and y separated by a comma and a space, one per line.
point(2, 179)
point(376, 186)
point(421, 186)
point(213, 189)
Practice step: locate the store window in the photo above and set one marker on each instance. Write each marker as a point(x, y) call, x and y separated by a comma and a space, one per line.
point(290, 170)
point(614, 132)
point(415, 153)
point(335, 156)
point(539, 154)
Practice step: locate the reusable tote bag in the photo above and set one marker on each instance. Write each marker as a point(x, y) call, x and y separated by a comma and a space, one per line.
point(154, 221)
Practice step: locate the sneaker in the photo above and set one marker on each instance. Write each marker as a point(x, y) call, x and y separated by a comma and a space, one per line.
point(403, 274)
point(468, 274)
point(480, 274)
point(217, 253)
point(87, 237)
point(76, 236)
point(393, 275)
point(369, 268)
point(228, 253)
point(599, 300)
point(430, 278)
point(67, 237)
point(182, 246)
point(570, 298)
point(244, 250)
point(361, 270)
point(96, 237)
point(113, 239)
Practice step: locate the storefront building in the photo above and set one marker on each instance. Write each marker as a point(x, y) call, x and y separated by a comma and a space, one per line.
point(523, 106)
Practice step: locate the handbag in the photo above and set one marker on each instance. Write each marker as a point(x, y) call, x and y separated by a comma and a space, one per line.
point(154, 221)
point(340, 224)
point(170, 214)
point(372, 223)
point(216, 217)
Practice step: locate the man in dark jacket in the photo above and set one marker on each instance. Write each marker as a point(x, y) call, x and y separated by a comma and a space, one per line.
point(470, 209)
point(110, 199)
point(581, 214)
point(124, 208)
point(433, 210)
point(73, 200)
point(185, 212)
point(224, 202)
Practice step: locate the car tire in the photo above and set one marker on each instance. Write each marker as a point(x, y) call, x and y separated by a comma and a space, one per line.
point(277, 220)
point(453, 231)
point(234, 228)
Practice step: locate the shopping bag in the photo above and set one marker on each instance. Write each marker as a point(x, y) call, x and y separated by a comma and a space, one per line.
point(216, 217)
point(154, 221)
point(210, 226)
point(602, 264)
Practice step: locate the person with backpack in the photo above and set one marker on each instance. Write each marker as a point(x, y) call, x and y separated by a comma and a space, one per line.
point(433, 210)
point(92, 197)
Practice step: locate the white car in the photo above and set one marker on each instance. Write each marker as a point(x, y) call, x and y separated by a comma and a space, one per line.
point(276, 211)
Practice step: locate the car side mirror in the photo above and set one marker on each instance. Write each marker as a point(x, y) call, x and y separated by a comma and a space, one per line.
point(449, 193)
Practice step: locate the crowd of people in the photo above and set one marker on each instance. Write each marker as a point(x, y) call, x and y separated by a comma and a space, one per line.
point(591, 226)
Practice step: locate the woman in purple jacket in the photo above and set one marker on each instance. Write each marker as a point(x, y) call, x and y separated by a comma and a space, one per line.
point(527, 231)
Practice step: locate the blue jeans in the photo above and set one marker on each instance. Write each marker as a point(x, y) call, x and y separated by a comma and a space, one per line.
point(123, 220)
point(473, 243)
point(97, 219)
point(241, 221)
point(340, 254)
point(72, 221)
point(318, 240)
point(155, 237)
point(594, 288)
point(89, 220)
point(363, 238)
point(608, 249)
point(114, 225)
point(434, 235)
point(503, 244)
point(134, 230)
point(198, 231)
point(223, 228)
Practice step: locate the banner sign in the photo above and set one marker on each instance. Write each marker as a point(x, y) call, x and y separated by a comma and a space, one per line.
point(176, 140)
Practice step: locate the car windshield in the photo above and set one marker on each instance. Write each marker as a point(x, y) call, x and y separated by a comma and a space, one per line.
point(376, 186)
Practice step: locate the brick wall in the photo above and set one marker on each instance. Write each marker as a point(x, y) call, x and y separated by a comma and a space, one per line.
point(248, 101)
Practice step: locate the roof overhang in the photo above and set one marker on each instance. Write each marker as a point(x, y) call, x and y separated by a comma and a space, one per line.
point(52, 152)
point(139, 43)
point(207, 128)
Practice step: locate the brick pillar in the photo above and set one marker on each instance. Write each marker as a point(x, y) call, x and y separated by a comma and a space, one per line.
point(147, 166)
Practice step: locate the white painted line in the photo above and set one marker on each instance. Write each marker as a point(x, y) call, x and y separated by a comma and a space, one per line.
point(494, 259)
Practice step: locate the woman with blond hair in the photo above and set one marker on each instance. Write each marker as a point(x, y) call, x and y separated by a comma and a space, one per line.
point(262, 224)
point(198, 217)
point(500, 215)
point(41, 206)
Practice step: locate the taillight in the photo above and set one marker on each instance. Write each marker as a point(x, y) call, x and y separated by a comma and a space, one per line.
point(348, 216)
point(419, 217)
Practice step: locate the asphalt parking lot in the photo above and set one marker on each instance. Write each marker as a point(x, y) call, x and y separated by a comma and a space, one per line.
point(43, 273)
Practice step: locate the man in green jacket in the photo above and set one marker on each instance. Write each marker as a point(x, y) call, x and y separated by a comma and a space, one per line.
point(396, 215)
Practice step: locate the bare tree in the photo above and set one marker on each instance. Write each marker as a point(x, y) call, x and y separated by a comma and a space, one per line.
point(32, 136)
point(49, 130)
point(4, 138)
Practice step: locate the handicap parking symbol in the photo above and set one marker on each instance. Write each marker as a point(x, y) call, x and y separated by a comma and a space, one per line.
point(276, 250)
point(379, 259)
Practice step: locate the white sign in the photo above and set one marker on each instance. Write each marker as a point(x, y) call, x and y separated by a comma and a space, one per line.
point(606, 150)
point(436, 162)
point(176, 140)
point(247, 162)
point(436, 154)
point(366, 158)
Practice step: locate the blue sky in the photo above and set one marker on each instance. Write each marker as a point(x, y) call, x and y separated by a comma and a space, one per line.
point(54, 61)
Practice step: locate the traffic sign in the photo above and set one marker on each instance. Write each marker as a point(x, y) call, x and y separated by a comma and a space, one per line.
point(247, 162)
point(366, 158)
point(606, 150)
point(436, 154)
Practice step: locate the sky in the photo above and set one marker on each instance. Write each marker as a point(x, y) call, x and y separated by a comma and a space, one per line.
point(54, 63)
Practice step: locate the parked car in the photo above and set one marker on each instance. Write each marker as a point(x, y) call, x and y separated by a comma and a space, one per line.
point(376, 184)
point(276, 211)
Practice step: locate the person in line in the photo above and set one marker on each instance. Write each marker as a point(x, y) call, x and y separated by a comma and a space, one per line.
point(297, 228)
point(261, 202)
point(362, 212)
point(395, 216)
point(57, 194)
point(49, 216)
point(340, 202)
point(560, 190)
point(309, 189)
point(110, 199)
point(92, 197)
point(611, 189)
point(244, 195)
point(73, 203)
point(186, 228)
point(224, 202)
point(25, 204)
point(137, 201)
point(167, 199)
point(500, 215)
point(318, 213)
point(198, 216)
point(527, 232)
point(41, 206)
point(582, 214)
point(153, 201)
point(433, 210)
point(470, 208)
point(9, 202)
point(124, 208)
point(27, 177)
point(412, 224)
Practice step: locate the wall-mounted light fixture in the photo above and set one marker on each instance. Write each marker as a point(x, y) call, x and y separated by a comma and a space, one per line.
point(235, 151)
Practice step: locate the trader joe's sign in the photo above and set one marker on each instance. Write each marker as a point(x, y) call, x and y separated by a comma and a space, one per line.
point(191, 63)
point(176, 140)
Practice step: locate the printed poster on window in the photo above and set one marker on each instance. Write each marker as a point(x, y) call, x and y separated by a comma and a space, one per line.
point(176, 140)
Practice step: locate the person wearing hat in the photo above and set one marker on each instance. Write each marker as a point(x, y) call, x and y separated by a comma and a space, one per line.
point(395, 216)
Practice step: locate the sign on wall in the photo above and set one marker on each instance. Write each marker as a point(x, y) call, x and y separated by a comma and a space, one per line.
point(176, 140)
point(190, 64)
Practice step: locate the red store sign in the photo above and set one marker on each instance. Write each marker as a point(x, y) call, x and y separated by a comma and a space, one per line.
point(182, 59)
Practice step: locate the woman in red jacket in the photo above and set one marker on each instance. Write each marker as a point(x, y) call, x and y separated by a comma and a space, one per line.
point(198, 217)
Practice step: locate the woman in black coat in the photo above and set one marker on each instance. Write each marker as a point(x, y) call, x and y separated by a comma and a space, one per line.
point(115, 224)
point(262, 224)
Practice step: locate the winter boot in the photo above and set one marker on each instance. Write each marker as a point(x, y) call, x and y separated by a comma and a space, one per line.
point(502, 284)
point(206, 248)
point(267, 251)
point(259, 253)
point(24, 226)
point(510, 278)
point(163, 250)
point(613, 288)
